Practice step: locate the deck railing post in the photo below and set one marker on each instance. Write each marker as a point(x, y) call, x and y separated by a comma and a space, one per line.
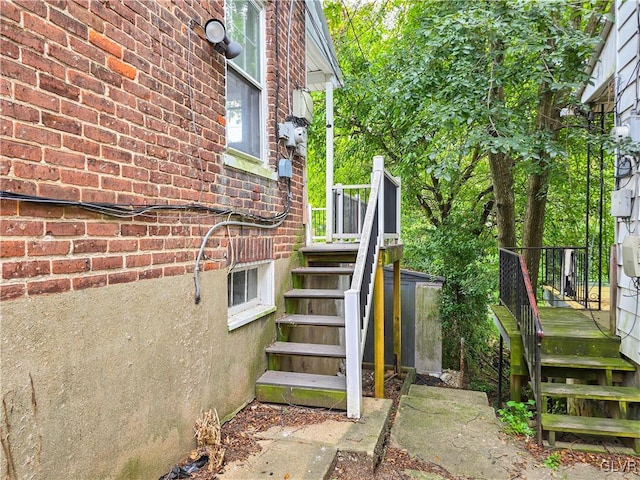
point(309, 226)
point(339, 210)
point(378, 332)
point(352, 339)
point(378, 165)
point(398, 208)
point(397, 318)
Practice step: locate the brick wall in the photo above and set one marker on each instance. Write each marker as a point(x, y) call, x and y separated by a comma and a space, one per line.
point(95, 106)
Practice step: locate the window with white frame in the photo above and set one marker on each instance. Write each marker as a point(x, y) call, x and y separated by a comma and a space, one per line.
point(250, 293)
point(246, 99)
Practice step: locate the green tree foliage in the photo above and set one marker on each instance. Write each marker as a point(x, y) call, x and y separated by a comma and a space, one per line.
point(469, 264)
point(463, 99)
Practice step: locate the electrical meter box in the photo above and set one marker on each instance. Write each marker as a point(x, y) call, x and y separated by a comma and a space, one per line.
point(287, 134)
point(303, 106)
point(621, 203)
point(631, 255)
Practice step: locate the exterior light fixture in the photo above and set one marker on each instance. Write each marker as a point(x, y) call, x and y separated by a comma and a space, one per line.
point(217, 35)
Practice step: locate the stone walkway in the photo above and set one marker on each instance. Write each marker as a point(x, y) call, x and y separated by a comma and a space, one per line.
point(455, 429)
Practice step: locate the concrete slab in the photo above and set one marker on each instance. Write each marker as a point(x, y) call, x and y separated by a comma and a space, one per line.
point(466, 397)
point(290, 458)
point(330, 432)
point(418, 475)
point(454, 429)
point(367, 435)
point(448, 427)
point(464, 437)
point(308, 452)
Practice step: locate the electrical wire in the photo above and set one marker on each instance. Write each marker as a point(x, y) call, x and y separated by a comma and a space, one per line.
point(636, 284)
point(287, 79)
point(135, 210)
point(129, 211)
point(232, 260)
point(355, 34)
point(196, 269)
point(595, 322)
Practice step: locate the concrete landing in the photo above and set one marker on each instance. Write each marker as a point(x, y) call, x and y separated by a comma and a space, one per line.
point(454, 429)
point(459, 431)
point(308, 452)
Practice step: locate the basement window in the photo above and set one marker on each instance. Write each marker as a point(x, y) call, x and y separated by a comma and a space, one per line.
point(250, 293)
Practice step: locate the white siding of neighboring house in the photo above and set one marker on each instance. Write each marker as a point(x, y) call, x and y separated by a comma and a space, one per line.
point(627, 106)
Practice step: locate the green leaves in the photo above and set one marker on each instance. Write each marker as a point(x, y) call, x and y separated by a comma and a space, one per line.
point(515, 417)
point(440, 88)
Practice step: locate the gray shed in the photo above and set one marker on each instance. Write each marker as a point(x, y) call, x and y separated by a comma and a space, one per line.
point(421, 327)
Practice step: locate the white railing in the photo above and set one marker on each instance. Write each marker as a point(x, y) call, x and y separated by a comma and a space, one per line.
point(358, 299)
point(350, 203)
point(368, 214)
point(316, 224)
point(348, 207)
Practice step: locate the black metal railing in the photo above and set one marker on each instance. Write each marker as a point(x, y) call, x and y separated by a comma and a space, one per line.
point(349, 204)
point(517, 296)
point(565, 271)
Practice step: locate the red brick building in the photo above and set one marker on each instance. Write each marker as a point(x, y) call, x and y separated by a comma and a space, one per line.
point(139, 173)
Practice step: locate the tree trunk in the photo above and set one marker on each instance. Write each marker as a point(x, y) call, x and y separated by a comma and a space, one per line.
point(548, 120)
point(533, 228)
point(501, 164)
point(501, 167)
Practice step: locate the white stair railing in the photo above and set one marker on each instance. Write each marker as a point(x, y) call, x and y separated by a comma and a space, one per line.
point(358, 299)
point(373, 227)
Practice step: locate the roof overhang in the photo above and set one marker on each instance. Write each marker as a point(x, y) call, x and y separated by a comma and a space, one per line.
point(602, 66)
point(321, 60)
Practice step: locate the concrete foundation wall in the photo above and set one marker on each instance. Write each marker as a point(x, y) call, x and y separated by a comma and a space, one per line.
point(108, 382)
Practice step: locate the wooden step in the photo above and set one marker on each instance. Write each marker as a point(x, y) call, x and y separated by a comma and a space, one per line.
point(315, 293)
point(600, 447)
point(598, 363)
point(303, 380)
point(606, 370)
point(595, 392)
point(312, 390)
point(312, 320)
point(331, 252)
point(330, 248)
point(323, 271)
point(591, 426)
point(307, 349)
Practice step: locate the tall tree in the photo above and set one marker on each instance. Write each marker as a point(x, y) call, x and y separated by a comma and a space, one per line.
point(452, 90)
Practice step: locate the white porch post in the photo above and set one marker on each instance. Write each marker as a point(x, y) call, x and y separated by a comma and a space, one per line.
point(329, 160)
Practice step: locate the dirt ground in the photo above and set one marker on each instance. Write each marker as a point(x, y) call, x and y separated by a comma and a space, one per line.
point(239, 440)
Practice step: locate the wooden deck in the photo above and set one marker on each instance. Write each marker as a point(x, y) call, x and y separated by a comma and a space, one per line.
point(580, 362)
point(602, 316)
point(569, 333)
point(561, 325)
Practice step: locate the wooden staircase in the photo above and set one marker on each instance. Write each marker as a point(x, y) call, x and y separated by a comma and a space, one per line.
point(296, 371)
point(580, 363)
